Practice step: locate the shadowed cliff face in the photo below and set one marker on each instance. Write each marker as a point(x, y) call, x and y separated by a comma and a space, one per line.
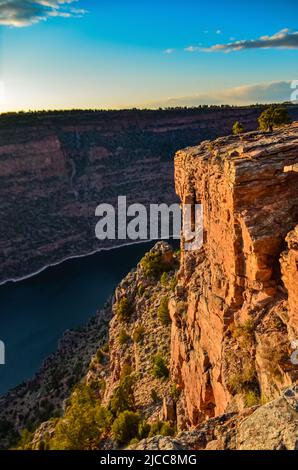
point(56, 168)
point(235, 314)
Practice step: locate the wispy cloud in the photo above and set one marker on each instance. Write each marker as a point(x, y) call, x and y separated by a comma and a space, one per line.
point(169, 51)
point(284, 39)
point(272, 92)
point(19, 13)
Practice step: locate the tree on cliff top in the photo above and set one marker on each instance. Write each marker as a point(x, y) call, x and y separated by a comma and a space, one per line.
point(238, 128)
point(273, 116)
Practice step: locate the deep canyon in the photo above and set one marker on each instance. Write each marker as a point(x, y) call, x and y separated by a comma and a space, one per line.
point(56, 167)
point(202, 339)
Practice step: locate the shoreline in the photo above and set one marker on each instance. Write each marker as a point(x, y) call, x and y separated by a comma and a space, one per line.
point(68, 258)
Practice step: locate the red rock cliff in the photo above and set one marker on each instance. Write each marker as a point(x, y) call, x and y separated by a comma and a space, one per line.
point(235, 311)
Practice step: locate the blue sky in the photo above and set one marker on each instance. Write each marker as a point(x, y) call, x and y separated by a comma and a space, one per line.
point(110, 54)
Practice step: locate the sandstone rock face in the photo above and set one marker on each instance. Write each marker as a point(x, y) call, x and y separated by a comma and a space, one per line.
point(57, 167)
point(233, 319)
point(289, 263)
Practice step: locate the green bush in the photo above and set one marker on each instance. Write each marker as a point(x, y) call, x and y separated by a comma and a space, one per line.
point(161, 428)
point(245, 333)
point(79, 429)
point(251, 398)
point(143, 430)
point(123, 337)
point(174, 392)
point(153, 265)
point(163, 312)
point(124, 309)
point(138, 334)
point(173, 283)
point(243, 380)
point(238, 128)
point(273, 116)
point(123, 396)
point(164, 279)
point(125, 427)
point(160, 370)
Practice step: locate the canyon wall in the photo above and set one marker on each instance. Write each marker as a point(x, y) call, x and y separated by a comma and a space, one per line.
point(56, 167)
point(235, 310)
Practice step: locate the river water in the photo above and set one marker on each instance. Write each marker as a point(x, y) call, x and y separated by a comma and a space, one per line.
point(35, 312)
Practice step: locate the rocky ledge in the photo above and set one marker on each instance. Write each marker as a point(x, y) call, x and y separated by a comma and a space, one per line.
point(235, 311)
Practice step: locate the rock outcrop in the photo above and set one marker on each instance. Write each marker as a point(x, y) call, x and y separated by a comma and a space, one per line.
point(273, 426)
point(235, 311)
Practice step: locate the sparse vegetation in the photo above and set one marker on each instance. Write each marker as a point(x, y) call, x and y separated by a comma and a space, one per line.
point(126, 427)
point(244, 380)
point(123, 396)
point(124, 309)
point(238, 128)
point(245, 333)
point(251, 398)
point(163, 312)
point(175, 392)
point(273, 116)
point(153, 265)
point(160, 370)
point(138, 334)
point(123, 337)
point(164, 279)
point(162, 428)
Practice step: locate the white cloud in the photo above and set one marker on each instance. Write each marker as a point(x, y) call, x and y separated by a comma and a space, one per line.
point(272, 92)
point(19, 13)
point(284, 39)
point(169, 51)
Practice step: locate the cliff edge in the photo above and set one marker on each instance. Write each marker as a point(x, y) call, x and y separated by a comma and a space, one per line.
point(235, 310)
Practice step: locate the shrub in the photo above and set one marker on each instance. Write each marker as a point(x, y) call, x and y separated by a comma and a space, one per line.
point(143, 430)
point(273, 116)
point(251, 398)
point(159, 369)
point(153, 265)
point(238, 128)
point(123, 396)
point(167, 429)
point(124, 309)
point(245, 332)
point(123, 337)
point(25, 442)
point(163, 312)
point(125, 427)
point(138, 334)
point(161, 428)
point(243, 380)
point(174, 392)
point(164, 279)
point(79, 428)
point(173, 283)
